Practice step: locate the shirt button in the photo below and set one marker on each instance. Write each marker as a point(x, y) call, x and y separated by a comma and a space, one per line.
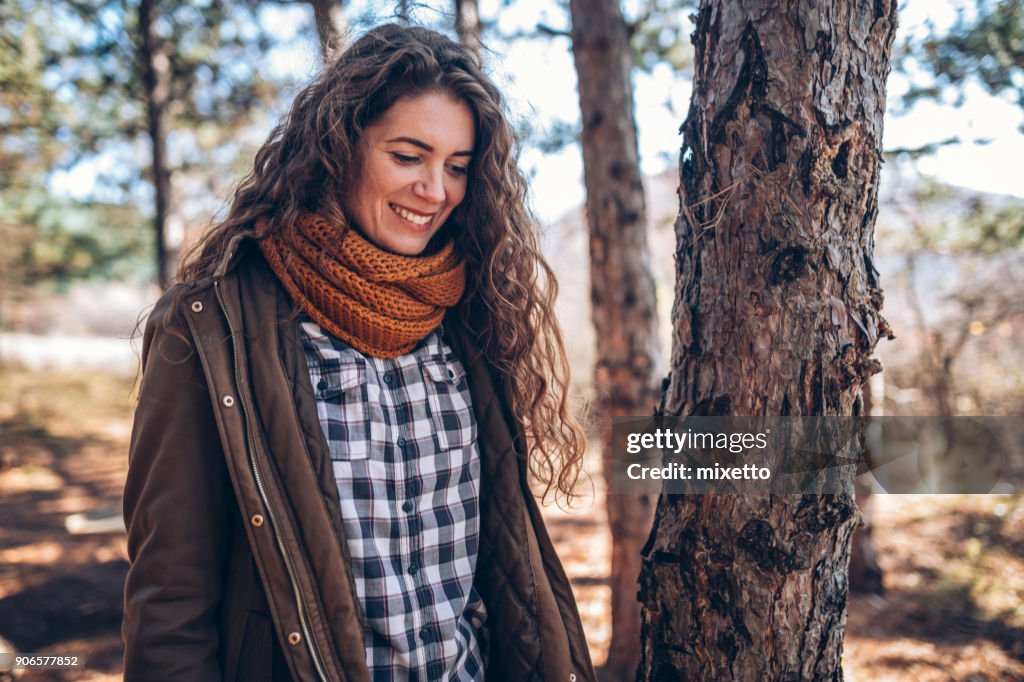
point(388, 378)
point(407, 506)
point(401, 442)
point(322, 384)
point(413, 568)
point(451, 374)
point(425, 634)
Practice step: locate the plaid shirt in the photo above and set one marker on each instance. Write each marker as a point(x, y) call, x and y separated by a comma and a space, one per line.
point(402, 439)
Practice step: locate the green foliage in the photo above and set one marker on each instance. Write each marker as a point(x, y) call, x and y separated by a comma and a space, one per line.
point(213, 49)
point(52, 242)
point(660, 35)
point(30, 114)
point(554, 137)
point(989, 228)
point(71, 90)
point(986, 46)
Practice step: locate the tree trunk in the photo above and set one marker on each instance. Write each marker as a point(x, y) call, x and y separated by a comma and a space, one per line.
point(327, 30)
point(622, 290)
point(865, 572)
point(156, 78)
point(467, 24)
point(776, 314)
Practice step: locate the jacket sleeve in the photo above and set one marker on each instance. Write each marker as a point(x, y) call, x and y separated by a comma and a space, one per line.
point(177, 499)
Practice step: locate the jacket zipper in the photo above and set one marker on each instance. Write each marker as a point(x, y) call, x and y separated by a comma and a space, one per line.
point(251, 456)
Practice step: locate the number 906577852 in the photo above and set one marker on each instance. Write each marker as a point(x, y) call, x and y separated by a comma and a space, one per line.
point(46, 661)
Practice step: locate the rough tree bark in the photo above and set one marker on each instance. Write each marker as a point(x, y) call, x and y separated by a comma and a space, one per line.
point(156, 76)
point(776, 314)
point(622, 289)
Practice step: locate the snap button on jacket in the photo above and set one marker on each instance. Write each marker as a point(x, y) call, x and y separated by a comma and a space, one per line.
point(239, 566)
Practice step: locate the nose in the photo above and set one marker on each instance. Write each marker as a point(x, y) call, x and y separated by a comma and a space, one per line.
point(431, 186)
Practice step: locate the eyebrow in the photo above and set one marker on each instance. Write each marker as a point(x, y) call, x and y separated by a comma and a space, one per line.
point(423, 145)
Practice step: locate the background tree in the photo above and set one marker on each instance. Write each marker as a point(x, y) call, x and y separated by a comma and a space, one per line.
point(155, 64)
point(467, 24)
point(776, 314)
point(327, 28)
point(621, 286)
point(865, 572)
point(49, 241)
point(30, 113)
point(983, 46)
point(976, 242)
point(29, 117)
point(179, 77)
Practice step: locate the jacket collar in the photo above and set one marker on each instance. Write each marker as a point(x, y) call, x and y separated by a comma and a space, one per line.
point(231, 254)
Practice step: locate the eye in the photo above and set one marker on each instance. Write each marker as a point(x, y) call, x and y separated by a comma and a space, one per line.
point(404, 159)
point(457, 169)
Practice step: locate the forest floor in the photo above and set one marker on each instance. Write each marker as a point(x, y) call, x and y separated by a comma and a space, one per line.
point(953, 608)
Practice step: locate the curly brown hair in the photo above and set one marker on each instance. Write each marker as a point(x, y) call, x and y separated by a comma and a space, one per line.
point(314, 155)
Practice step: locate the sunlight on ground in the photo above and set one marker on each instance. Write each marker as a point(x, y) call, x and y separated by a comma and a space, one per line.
point(954, 602)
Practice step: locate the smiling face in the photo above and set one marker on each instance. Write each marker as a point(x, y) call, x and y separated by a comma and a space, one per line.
point(414, 171)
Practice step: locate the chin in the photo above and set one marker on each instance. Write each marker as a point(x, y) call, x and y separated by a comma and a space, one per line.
point(407, 247)
point(420, 245)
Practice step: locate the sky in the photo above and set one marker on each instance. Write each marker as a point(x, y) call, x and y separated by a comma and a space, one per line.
point(539, 80)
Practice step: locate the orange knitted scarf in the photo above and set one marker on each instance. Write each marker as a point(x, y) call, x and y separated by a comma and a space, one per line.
point(380, 303)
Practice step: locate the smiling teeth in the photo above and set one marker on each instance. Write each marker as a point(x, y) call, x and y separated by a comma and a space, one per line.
point(412, 217)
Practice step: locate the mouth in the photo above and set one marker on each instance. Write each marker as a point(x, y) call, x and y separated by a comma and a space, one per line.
point(417, 219)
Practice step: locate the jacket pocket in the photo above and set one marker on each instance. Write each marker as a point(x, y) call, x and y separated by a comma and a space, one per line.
point(449, 403)
point(255, 657)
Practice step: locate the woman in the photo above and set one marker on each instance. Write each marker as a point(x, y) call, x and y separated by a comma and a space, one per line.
point(342, 403)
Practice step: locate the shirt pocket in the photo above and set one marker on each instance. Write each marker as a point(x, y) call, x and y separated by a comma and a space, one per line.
point(343, 403)
point(449, 403)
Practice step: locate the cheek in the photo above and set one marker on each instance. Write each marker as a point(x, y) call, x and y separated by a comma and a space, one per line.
point(364, 198)
point(380, 180)
point(456, 194)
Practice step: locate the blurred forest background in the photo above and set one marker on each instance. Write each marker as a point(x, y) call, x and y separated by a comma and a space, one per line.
point(124, 125)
